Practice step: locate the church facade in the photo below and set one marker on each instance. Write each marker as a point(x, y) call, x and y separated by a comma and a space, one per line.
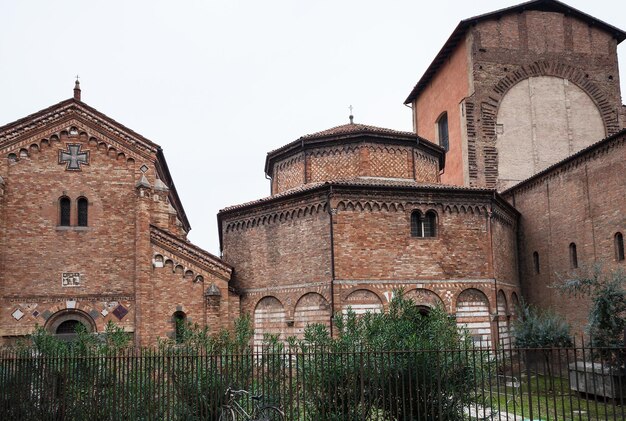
point(93, 232)
point(512, 179)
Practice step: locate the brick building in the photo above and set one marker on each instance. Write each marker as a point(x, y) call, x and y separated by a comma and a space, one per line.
point(93, 231)
point(520, 182)
point(518, 101)
point(358, 211)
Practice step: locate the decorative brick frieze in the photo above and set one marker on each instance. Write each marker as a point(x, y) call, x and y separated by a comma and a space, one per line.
point(188, 251)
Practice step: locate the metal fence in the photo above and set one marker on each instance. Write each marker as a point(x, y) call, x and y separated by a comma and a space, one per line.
point(317, 384)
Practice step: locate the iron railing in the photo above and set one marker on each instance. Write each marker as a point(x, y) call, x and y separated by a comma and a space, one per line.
point(577, 383)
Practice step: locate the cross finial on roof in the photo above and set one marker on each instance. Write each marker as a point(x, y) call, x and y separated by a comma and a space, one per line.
point(77, 89)
point(351, 116)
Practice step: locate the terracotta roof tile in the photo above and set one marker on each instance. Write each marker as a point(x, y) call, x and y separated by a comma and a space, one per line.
point(353, 128)
point(357, 182)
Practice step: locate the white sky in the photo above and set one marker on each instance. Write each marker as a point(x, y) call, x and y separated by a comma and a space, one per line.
point(218, 84)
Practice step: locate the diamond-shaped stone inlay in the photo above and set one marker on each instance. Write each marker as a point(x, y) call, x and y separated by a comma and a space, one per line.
point(144, 168)
point(104, 312)
point(120, 311)
point(35, 313)
point(18, 314)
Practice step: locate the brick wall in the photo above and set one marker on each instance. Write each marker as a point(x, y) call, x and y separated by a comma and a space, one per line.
point(582, 201)
point(445, 93)
point(36, 250)
point(494, 56)
point(282, 254)
point(515, 47)
point(351, 160)
point(113, 254)
point(372, 243)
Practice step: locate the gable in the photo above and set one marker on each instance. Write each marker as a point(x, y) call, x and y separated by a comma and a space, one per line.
point(72, 121)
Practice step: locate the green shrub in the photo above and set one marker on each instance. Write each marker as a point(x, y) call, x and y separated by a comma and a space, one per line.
point(536, 328)
point(400, 354)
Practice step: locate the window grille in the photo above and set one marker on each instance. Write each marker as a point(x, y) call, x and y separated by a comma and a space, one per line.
point(64, 211)
point(179, 325)
point(423, 225)
point(83, 205)
point(67, 327)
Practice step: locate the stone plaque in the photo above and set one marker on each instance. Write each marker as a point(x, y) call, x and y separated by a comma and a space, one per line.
point(70, 279)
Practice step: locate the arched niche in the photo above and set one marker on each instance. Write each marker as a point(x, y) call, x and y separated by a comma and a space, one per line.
point(542, 120)
point(362, 301)
point(311, 308)
point(472, 313)
point(269, 318)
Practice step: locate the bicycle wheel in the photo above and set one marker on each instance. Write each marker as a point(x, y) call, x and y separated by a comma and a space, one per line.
point(269, 413)
point(227, 414)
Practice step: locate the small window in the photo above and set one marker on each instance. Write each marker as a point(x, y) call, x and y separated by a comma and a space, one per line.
point(423, 225)
point(442, 131)
point(536, 263)
point(179, 326)
point(619, 247)
point(573, 256)
point(82, 207)
point(65, 205)
point(68, 327)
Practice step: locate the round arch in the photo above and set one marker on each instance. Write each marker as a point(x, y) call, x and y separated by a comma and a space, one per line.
point(472, 313)
point(362, 300)
point(269, 318)
point(489, 108)
point(60, 322)
point(424, 298)
point(311, 307)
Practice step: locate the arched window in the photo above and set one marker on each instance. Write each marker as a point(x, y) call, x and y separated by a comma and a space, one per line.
point(68, 327)
point(179, 326)
point(619, 247)
point(536, 263)
point(442, 131)
point(82, 207)
point(423, 225)
point(573, 256)
point(65, 205)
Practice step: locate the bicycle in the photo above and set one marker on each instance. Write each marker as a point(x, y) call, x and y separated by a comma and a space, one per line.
point(232, 410)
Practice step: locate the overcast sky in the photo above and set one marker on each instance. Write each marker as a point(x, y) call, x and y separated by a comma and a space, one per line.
point(218, 84)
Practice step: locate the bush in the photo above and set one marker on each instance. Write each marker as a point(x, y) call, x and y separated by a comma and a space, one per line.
point(540, 329)
point(607, 315)
point(400, 354)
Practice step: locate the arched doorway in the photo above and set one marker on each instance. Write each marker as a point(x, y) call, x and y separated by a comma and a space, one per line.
point(64, 323)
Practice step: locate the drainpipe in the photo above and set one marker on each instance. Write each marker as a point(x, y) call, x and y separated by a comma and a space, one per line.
point(332, 261)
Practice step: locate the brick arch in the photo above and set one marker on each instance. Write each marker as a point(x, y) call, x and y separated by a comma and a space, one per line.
point(362, 300)
point(70, 314)
point(473, 314)
point(269, 318)
point(424, 297)
point(504, 329)
point(550, 68)
point(514, 304)
point(489, 108)
point(310, 308)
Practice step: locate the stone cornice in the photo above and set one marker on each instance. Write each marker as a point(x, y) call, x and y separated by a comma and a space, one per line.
point(185, 250)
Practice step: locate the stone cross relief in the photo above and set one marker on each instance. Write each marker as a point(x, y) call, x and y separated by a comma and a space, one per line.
point(73, 157)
